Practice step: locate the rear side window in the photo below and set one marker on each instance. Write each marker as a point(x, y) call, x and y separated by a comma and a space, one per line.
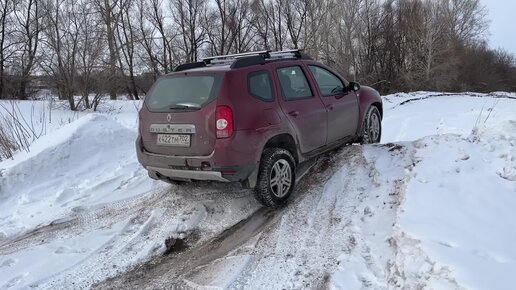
point(183, 92)
point(260, 86)
point(293, 83)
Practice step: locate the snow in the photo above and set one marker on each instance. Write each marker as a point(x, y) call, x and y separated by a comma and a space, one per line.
point(70, 168)
point(474, 189)
point(431, 208)
point(438, 113)
point(32, 265)
point(459, 200)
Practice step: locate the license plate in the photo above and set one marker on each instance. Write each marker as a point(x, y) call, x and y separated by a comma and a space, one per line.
point(179, 140)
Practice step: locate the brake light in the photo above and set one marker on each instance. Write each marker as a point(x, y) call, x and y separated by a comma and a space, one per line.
point(224, 122)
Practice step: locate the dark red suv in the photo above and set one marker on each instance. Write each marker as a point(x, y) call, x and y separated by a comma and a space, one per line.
point(252, 118)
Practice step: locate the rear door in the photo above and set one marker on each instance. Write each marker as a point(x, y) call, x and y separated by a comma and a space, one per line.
point(302, 107)
point(178, 117)
point(342, 106)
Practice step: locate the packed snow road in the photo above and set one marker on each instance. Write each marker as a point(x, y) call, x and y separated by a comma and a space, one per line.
point(434, 209)
point(337, 208)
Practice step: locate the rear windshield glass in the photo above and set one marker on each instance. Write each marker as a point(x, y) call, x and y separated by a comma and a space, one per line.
point(183, 92)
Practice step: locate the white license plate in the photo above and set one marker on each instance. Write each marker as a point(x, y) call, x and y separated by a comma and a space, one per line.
point(179, 140)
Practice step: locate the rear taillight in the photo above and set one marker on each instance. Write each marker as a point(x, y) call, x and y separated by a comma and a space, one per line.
point(224, 122)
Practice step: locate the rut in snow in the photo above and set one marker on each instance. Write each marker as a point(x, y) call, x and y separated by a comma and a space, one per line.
point(293, 247)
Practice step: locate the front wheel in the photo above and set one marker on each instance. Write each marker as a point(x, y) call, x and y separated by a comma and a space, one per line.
point(372, 127)
point(276, 177)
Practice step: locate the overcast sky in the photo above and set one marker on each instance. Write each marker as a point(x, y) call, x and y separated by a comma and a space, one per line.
point(502, 14)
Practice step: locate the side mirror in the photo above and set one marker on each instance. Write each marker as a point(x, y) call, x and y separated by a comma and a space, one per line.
point(353, 86)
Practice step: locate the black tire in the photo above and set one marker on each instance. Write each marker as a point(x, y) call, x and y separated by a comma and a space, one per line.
point(372, 126)
point(276, 164)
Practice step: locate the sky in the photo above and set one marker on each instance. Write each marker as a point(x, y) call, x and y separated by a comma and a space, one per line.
point(502, 28)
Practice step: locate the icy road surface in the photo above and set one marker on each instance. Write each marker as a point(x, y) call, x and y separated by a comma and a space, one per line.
point(431, 208)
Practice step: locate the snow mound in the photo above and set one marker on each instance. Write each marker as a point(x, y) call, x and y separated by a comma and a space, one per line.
point(87, 162)
point(461, 208)
point(409, 117)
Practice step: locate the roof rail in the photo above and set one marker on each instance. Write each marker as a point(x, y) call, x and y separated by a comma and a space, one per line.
point(248, 61)
point(245, 59)
point(191, 65)
point(290, 53)
point(209, 60)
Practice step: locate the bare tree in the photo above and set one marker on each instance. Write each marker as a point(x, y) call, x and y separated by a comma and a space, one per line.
point(147, 32)
point(269, 24)
point(6, 8)
point(466, 19)
point(295, 13)
point(93, 47)
point(110, 11)
point(90, 50)
point(162, 39)
point(241, 27)
point(188, 15)
point(62, 35)
point(126, 33)
point(28, 17)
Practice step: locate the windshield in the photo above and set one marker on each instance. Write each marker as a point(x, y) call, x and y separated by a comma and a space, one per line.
point(183, 92)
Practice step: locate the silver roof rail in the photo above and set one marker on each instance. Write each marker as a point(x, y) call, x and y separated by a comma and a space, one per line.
point(247, 58)
point(289, 53)
point(228, 57)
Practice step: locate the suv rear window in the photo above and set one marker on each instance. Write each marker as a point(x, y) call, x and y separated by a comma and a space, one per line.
point(183, 92)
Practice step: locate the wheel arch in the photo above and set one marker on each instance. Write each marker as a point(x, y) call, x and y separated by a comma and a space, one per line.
point(285, 141)
point(368, 97)
point(281, 140)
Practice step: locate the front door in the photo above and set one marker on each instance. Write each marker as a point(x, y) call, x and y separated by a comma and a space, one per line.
point(303, 108)
point(342, 106)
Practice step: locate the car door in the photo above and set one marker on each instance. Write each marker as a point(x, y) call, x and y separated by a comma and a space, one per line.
point(342, 106)
point(303, 108)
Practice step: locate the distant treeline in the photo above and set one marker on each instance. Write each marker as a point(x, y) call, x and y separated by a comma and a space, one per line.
point(112, 47)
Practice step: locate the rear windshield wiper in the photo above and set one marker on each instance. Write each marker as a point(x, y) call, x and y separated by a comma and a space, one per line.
point(184, 107)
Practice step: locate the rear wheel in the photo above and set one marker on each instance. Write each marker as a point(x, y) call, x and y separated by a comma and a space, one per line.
point(372, 127)
point(276, 177)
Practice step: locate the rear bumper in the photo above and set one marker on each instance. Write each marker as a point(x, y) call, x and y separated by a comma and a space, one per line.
point(192, 167)
point(186, 174)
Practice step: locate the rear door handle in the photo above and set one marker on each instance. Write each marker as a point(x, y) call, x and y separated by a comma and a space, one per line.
point(329, 107)
point(294, 113)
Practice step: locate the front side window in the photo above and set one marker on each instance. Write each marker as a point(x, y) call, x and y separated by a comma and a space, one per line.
point(183, 92)
point(260, 85)
point(328, 83)
point(293, 83)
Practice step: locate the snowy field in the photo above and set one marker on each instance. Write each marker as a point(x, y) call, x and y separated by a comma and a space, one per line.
point(430, 208)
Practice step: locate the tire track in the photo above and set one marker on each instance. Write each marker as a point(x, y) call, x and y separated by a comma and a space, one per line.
point(84, 220)
point(171, 272)
point(301, 234)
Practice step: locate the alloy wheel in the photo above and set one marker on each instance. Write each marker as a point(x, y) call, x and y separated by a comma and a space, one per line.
point(281, 178)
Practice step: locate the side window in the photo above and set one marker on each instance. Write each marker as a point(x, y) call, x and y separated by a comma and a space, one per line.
point(260, 85)
point(329, 83)
point(293, 83)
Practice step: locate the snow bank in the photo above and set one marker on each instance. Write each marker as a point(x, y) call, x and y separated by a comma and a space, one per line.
point(460, 205)
point(408, 117)
point(85, 163)
point(456, 225)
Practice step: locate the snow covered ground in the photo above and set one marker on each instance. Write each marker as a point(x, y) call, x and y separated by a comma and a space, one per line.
point(460, 196)
point(431, 208)
point(83, 160)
